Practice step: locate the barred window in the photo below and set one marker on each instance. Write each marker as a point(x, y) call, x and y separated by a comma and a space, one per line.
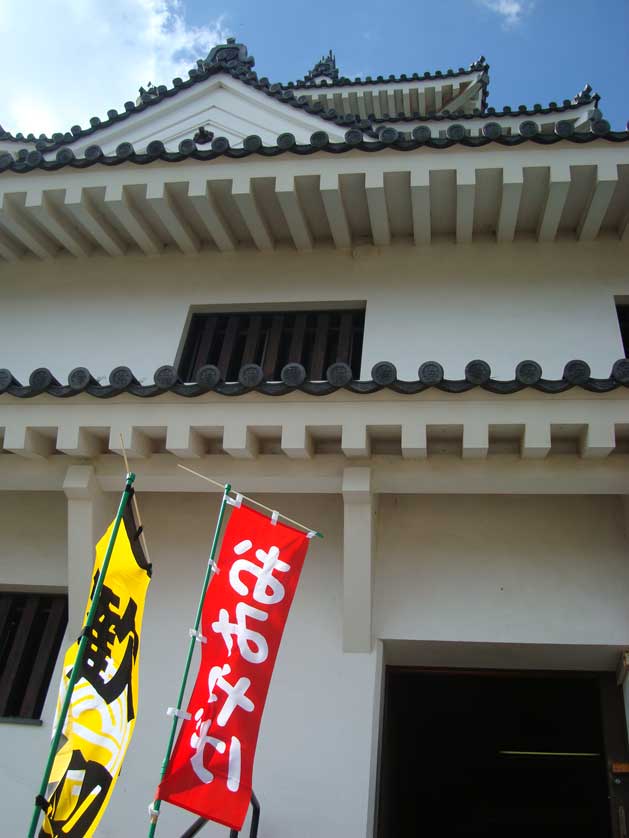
point(622, 311)
point(31, 631)
point(270, 339)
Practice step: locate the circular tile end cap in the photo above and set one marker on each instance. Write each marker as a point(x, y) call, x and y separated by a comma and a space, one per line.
point(384, 373)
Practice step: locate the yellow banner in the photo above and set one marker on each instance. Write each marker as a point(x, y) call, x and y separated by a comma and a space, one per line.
point(102, 713)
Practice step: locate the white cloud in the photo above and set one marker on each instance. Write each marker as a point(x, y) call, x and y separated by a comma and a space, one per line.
point(83, 57)
point(511, 11)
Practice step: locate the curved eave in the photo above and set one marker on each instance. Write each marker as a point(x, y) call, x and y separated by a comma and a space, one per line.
point(317, 195)
point(528, 374)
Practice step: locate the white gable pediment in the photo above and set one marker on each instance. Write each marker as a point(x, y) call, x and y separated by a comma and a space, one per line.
point(227, 107)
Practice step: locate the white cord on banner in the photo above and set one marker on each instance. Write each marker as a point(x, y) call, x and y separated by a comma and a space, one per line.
point(237, 501)
point(153, 813)
point(200, 638)
point(311, 534)
point(274, 516)
point(246, 497)
point(180, 714)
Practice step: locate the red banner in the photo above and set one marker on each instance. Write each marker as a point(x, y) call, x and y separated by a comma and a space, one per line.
point(211, 766)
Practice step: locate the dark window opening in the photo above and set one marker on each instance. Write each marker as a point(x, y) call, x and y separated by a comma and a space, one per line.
point(31, 631)
point(623, 321)
point(493, 754)
point(314, 339)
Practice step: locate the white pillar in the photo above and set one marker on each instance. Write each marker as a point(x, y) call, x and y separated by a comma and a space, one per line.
point(358, 549)
point(88, 511)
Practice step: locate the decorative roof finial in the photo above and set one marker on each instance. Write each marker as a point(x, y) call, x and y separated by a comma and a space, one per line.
point(232, 54)
point(324, 68)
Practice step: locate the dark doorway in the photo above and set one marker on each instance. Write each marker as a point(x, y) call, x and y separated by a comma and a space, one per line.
point(493, 754)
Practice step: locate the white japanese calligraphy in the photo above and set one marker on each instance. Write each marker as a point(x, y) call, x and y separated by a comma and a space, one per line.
point(236, 693)
point(265, 581)
point(200, 740)
point(252, 645)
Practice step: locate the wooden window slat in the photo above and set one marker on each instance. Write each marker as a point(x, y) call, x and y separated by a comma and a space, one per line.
point(312, 338)
point(322, 332)
point(5, 608)
point(229, 342)
point(50, 640)
point(249, 355)
point(273, 346)
point(205, 344)
point(9, 676)
point(343, 352)
point(296, 349)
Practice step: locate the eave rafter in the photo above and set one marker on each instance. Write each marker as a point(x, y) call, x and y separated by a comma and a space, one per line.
point(567, 191)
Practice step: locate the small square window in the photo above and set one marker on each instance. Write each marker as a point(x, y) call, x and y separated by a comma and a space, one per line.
point(622, 310)
point(31, 630)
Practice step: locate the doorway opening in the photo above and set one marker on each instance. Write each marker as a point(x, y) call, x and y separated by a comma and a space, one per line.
point(470, 754)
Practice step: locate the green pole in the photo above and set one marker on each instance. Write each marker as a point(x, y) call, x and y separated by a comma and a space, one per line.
point(182, 689)
point(81, 650)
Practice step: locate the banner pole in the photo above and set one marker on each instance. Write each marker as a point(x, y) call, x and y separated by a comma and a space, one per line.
point(83, 642)
point(156, 805)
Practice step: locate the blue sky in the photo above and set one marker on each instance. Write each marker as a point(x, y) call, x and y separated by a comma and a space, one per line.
point(539, 51)
point(92, 55)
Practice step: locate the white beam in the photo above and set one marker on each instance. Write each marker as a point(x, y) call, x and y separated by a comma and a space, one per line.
point(27, 442)
point(355, 440)
point(22, 228)
point(88, 511)
point(334, 205)
point(358, 566)
point(465, 194)
point(132, 441)
point(475, 439)
point(377, 207)
point(420, 205)
point(297, 441)
point(246, 201)
point(421, 98)
point(558, 187)
point(120, 203)
point(8, 250)
point(535, 440)
point(286, 191)
point(406, 101)
point(414, 442)
point(598, 202)
point(78, 442)
point(79, 203)
point(172, 217)
point(183, 441)
point(512, 184)
point(599, 440)
point(438, 99)
point(53, 220)
point(240, 442)
point(205, 204)
point(461, 98)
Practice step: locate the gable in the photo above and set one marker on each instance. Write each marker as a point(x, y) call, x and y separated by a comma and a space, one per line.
point(223, 105)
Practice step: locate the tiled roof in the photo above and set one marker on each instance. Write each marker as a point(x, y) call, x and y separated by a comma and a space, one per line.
point(388, 138)
point(232, 58)
point(528, 374)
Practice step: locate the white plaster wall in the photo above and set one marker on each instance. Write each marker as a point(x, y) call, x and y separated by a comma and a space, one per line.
point(502, 569)
point(33, 544)
point(445, 302)
point(489, 569)
point(32, 553)
point(313, 763)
